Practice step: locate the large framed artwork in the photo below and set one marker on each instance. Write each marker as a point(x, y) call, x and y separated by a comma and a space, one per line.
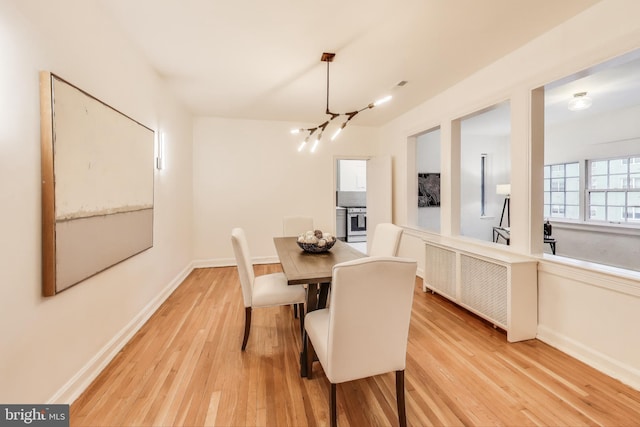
point(428, 190)
point(97, 185)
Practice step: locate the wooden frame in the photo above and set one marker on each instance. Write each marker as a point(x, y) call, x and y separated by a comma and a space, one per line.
point(97, 168)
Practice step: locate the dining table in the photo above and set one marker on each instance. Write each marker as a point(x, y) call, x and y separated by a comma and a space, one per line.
point(313, 269)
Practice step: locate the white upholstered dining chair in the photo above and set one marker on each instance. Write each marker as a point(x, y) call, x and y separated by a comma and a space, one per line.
point(386, 240)
point(262, 291)
point(370, 339)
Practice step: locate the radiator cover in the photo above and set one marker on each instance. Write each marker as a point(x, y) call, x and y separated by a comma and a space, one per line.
point(497, 286)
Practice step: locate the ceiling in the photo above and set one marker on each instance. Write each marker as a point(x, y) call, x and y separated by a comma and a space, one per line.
point(612, 85)
point(256, 59)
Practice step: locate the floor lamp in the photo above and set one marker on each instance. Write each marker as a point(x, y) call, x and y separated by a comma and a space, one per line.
point(505, 190)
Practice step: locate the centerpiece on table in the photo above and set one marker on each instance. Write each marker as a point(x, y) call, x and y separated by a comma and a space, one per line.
point(316, 241)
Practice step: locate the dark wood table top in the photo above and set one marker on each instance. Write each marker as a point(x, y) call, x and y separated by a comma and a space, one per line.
point(302, 267)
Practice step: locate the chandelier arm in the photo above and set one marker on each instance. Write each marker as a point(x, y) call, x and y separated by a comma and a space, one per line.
point(327, 110)
point(328, 57)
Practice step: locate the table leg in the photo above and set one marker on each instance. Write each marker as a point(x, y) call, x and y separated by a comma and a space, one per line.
point(324, 292)
point(312, 304)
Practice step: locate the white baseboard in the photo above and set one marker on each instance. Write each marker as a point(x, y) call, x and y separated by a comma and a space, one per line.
point(228, 262)
point(211, 263)
point(83, 378)
point(624, 373)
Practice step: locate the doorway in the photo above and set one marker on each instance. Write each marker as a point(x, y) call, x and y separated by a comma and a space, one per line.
point(351, 202)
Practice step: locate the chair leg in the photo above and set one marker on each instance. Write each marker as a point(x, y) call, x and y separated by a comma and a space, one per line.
point(402, 413)
point(247, 326)
point(295, 311)
point(333, 404)
point(311, 355)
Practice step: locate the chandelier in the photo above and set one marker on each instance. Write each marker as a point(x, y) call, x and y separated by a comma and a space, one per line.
point(318, 131)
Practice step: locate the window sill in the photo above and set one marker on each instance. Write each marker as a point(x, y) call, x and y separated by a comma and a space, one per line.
point(626, 229)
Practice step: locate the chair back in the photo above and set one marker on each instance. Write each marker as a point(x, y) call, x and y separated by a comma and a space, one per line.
point(369, 315)
point(296, 225)
point(244, 263)
point(386, 240)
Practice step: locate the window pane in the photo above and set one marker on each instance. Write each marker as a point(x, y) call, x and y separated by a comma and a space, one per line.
point(547, 211)
point(615, 198)
point(547, 171)
point(597, 213)
point(634, 180)
point(557, 211)
point(547, 198)
point(597, 198)
point(572, 198)
point(573, 212)
point(557, 184)
point(599, 182)
point(573, 184)
point(633, 198)
point(557, 171)
point(599, 167)
point(557, 197)
point(634, 164)
point(572, 169)
point(618, 181)
point(615, 214)
point(633, 214)
point(547, 185)
point(618, 166)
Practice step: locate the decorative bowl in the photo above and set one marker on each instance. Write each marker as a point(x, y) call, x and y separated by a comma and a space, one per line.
point(314, 248)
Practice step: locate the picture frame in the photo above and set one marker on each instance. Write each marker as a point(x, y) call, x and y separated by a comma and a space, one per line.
point(428, 190)
point(97, 168)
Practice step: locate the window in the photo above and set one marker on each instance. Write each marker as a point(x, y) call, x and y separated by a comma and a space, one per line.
point(562, 190)
point(613, 191)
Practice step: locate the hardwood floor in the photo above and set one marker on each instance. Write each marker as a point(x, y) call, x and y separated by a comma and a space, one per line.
point(185, 367)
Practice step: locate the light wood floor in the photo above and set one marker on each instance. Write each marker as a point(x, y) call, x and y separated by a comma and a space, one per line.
point(185, 367)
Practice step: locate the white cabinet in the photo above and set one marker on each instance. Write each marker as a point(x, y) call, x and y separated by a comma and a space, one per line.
point(352, 175)
point(496, 285)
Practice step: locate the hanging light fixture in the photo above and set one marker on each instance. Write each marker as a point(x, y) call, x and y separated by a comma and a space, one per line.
point(320, 129)
point(580, 101)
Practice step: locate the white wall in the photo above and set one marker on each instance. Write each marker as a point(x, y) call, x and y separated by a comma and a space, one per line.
point(571, 300)
point(249, 174)
point(52, 347)
point(472, 224)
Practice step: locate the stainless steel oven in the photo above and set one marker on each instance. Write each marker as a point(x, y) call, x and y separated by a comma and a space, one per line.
point(357, 224)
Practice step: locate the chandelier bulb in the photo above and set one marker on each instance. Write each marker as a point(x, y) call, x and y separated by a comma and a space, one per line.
point(301, 146)
point(315, 145)
point(382, 100)
point(335, 135)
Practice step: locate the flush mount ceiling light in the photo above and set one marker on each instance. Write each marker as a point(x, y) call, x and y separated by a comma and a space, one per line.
point(580, 101)
point(319, 130)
